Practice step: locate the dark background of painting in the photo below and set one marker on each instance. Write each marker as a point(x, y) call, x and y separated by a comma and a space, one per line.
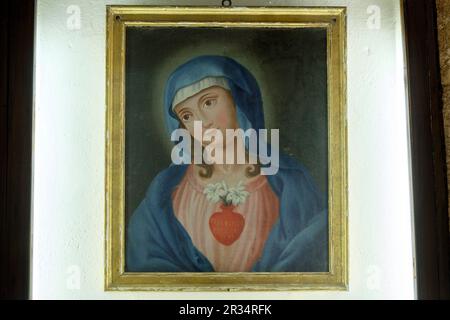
point(290, 66)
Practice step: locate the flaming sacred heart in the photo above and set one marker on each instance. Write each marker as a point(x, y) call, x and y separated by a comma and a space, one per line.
point(226, 225)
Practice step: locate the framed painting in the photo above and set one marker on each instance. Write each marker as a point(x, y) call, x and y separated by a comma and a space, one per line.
point(226, 148)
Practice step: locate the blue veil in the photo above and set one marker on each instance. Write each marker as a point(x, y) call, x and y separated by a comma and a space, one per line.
point(244, 88)
point(298, 242)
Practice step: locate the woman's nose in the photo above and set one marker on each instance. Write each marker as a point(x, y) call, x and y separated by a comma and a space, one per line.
point(206, 123)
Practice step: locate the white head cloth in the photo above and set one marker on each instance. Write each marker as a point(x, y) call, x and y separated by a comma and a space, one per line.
point(186, 92)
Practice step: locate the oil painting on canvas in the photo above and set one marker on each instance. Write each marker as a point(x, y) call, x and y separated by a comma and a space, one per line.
point(226, 149)
point(213, 214)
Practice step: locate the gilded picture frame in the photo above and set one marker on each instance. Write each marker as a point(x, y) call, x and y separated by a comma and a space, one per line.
point(331, 19)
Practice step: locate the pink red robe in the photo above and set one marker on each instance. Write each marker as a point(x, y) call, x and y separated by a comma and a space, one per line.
point(260, 211)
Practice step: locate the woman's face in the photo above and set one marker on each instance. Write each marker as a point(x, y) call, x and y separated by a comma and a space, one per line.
point(213, 106)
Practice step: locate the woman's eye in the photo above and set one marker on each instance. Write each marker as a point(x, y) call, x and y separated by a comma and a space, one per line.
point(186, 117)
point(210, 103)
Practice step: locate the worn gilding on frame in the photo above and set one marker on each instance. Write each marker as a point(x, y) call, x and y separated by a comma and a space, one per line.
point(118, 19)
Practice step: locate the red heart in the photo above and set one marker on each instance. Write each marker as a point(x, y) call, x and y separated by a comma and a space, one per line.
point(226, 225)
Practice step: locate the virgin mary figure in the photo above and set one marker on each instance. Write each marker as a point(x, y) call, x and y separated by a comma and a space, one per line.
point(225, 217)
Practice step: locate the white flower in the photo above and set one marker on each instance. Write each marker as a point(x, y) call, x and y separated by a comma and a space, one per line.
point(237, 195)
point(216, 192)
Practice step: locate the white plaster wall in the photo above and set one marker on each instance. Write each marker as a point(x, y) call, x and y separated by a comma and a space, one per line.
point(69, 127)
